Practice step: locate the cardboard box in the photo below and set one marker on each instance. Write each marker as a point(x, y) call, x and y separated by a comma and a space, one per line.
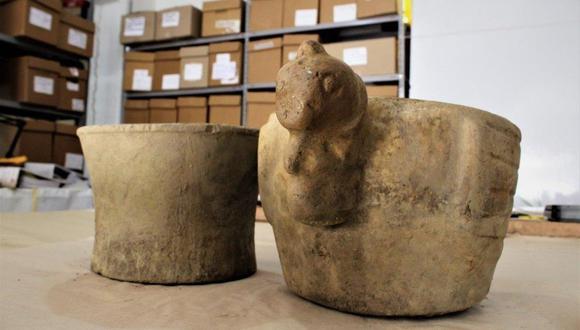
point(65, 141)
point(76, 35)
point(266, 14)
point(264, 60)
point(370, 8)
point(139, 71)
point(335, 11)
point(34, 19)
point(30, 79)
point(382, 91)
point(260, 106)
point(72, 93)
point(291, 43)
point(225, 109)
point(162, 111)
point(36, 141)
point(192, 110)
point(300, 13)
point(138, 27)
point(194, 64)
point(178, 22)
point(225, 63)
point(167, 70)
point(367, 57)
point(222, 17)
point(136, 112)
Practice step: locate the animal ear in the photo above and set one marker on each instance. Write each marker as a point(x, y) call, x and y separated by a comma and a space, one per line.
point(311, 48)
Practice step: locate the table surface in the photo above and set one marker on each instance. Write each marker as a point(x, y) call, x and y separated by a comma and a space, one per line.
point(45, 283)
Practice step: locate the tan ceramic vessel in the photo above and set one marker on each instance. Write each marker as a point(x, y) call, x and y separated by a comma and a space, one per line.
point(175, 203)
point(383, 206)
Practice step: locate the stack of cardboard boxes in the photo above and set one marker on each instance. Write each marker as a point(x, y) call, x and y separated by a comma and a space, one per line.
point(44, 21)
point(34, 80)
point(275, 14)
point(218, 17)
point(219, 109)
point(225, 17)
point(42, 82)
point(48, 142)
point(190, 67)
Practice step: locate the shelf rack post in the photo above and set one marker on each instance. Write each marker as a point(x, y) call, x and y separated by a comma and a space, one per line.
point(401, 50)
point(244, 118)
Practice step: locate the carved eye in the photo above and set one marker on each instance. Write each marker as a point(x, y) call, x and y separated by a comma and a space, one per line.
point(328, 84)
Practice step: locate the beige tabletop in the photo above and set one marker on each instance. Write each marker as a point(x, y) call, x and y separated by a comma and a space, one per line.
point(45, 283)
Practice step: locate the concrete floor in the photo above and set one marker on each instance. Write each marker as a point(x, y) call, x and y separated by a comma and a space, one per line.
point(45, 282)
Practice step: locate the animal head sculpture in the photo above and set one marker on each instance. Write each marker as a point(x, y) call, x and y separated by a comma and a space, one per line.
point(321, 102)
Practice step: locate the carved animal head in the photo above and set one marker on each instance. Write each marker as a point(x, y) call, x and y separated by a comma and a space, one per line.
point(319, 92)
point(321, 102)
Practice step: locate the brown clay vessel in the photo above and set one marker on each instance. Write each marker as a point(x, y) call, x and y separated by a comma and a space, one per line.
point(175, 203)
point(383, 206)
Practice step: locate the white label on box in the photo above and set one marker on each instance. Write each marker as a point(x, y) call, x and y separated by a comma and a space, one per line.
point(78, 104)
point(170, 81)
point(229, 25)
point(77, 38)
point(344, 13)
point(73, 161)
point(72, 86)
point(140, 73)
point(193, 71)
point(223, 58)
point(306, 17)
point(142, 81)
point(40, 18)
point(9, 176)
point(355, 56)
point(264, 45)
point(74, 71)
point(134, 26)
point(43, 85)
point(170, 19)
point(223, 70)
point(292, 56)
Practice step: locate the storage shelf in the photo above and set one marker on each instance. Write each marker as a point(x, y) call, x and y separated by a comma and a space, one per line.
point(13, 108)
point(31, 47)
point(185, 92)
point(326, 26)
point(367, 79)
point(368, 28)
point(261, 86)
point(160, 45)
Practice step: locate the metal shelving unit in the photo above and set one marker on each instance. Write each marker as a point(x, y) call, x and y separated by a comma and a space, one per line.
point(326, 26)
point(186, 92)
point(394, 22)
point(185, 42)
point(14, 108)
point(28, 46)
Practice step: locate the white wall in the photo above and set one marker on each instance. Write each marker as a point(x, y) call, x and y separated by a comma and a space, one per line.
point(519, 59)
point(106, 77)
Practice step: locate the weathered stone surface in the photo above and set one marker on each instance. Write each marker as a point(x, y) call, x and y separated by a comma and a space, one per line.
point(175, 203)
point(391, 207)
